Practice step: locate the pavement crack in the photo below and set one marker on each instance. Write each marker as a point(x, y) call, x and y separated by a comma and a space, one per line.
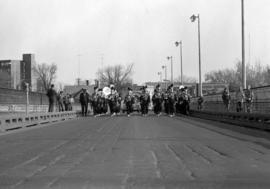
point(178, 157)
point(201, 156)
point(217, 152)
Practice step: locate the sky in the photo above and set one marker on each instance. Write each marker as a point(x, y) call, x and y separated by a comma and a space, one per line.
point(142, 32)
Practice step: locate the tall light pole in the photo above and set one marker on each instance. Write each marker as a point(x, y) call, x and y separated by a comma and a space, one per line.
point(160, 75)
point(171, 58)
point(193, 19)
point(244, 83)
point(179, 43)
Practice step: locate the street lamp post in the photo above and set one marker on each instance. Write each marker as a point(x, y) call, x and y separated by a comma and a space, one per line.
point(165, 71)
point(244, 83)
point(160, 75)
point(179, 43)
point(171, 58)
point(193, 19)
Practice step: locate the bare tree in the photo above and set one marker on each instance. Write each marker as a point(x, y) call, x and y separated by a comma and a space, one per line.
point(186, 79)
point(257, 75)
point(46, 74)
point(118, 75)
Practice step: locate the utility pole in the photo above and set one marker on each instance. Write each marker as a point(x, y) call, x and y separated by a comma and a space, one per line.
point(244, 79)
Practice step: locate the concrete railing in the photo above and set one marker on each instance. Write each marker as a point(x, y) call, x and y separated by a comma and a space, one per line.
point(14, 121)
point(253, 120)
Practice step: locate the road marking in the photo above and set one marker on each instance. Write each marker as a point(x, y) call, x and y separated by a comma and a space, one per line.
point(156, 164)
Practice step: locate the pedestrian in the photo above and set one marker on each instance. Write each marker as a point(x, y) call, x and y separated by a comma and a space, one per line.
point(200, 102)
point(70, 102)
point(171, 101)
point(84, 100)
point(144, 101)
point(249, 99)
point(157, 100)
point(51, 93)
point(94, 98)
point(226, 97)
point(129, 101)
point(239, 96)
point(60, 100)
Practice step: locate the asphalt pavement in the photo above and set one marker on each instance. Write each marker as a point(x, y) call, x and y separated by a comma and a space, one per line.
point(135, 152)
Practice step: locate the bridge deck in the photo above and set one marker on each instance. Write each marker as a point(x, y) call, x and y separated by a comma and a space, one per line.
point(135, 152)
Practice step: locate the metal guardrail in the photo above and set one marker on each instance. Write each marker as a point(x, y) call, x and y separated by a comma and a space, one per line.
point(252, 120)
point(14, 121)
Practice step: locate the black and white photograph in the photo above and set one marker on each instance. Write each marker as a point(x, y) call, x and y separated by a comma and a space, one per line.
point(134, 94)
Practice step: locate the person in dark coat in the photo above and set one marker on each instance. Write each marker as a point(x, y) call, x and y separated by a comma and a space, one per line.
point(144, 100)
point(84, 100)
point(157, 100)
point(129, 101)
point(51, 93)
point(186, 101)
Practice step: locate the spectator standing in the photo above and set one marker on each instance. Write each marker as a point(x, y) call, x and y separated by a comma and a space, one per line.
point(200, 102)
point(226, 97)
point(51, 93)
point(249, 99)
point(239, 96)
point(60, 100)
point(84, 100)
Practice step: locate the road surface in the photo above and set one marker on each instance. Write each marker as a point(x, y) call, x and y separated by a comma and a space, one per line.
point(135, 152)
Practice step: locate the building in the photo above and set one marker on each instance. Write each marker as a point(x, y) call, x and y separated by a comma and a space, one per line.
point(10, 74)
point(15, 73)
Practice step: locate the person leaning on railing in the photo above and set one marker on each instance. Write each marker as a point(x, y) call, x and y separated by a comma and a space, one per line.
point(226, 97)
point(249, 99)
point(239, 96)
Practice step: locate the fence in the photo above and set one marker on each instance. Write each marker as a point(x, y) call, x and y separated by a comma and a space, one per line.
point(261, 103)
point(15, 121)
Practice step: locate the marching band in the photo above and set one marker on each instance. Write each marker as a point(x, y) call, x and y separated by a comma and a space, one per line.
point(108, 101)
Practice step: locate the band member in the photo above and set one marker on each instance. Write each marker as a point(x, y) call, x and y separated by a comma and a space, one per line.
point(179, 100)
point(171, 101)
point(94, 98)
point(157, 100)
point(186, 101)
point(144, 101)
point(166, 101)
point(113, 99)
point(101, 103)
point(84, 100)
point(118, 100)
point(129, 101)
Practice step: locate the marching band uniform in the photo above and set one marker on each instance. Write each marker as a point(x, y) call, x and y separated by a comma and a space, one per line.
point(186, 101)
point(144, 100)
point(157, 100)
point(129, 101)
point(171, 101)
point(165, 96)
point(112, 100)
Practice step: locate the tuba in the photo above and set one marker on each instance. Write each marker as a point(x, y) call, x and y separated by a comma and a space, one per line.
point(106, 91)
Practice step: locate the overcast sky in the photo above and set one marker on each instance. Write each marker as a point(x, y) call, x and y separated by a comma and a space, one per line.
point(142, 32)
